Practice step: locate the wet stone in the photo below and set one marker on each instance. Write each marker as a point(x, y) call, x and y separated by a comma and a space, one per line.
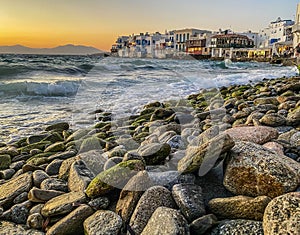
point(21, 198)
point(189, 199)
point(19, 214)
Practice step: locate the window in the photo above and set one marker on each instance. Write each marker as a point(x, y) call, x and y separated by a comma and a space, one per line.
point(176, 37)
point(188, 36)
point(184, 37)
point(180, 38)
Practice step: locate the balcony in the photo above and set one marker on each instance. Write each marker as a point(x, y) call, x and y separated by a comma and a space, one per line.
point(296, 28)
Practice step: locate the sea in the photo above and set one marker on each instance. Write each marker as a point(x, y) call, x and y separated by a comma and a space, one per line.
point(38, 90)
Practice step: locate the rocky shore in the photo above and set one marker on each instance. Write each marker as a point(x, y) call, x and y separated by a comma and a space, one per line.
point(224, 161)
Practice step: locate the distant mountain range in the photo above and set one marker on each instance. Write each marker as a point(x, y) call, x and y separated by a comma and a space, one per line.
point(60, 50)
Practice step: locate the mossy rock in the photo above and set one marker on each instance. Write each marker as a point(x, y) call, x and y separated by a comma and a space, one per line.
point(91, 143)
point(57, 147)
point(236, 94)
point(54, 137)
point(40, 155)
point(154, 153)
point(38, 161)
point(5, 161)
point(78, 134)
point(58, 126)
point(154, 105)
point(40, 145)
point(115, 177)
point(100, 125)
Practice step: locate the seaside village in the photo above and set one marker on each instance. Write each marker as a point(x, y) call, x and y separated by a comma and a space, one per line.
point(280, 39)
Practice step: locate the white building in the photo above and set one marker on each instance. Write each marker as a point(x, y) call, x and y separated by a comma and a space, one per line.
point(279, 31)
point(183, 35)
point(251, 35)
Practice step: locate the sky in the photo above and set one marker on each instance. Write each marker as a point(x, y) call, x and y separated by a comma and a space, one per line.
point(49, 23)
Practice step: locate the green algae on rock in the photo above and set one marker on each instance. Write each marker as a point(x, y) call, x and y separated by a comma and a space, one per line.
point(115, 177)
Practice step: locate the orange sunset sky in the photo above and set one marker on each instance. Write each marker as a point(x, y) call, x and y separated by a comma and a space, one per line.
point(49, 23)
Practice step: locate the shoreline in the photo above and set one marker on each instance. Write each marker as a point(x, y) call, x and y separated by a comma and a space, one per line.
point(206, 149)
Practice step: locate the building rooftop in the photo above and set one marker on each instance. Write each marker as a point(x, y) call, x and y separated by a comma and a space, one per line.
point(230, 36)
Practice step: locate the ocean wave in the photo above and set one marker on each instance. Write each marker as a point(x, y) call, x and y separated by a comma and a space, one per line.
point(58, 88)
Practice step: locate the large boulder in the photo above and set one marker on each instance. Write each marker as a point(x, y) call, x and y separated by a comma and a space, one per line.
point(153, 198)
point(253, 170)
point(166, 221)
point(205, 155)
point(255, 134)
point(14, 187)
point(239, 207)
point(282, 215)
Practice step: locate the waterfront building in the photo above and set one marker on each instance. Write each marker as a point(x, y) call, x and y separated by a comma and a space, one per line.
point(279, 31)
point(183, 35)
point(198, 44)
point(251, 35)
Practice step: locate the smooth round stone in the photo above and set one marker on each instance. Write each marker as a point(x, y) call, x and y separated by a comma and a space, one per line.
point(17, 165)
point(40, 195)
point(38, 177)
point(7, 174)
point(53, 167)
point(21, 198)
point(202, 224)
point(112, 162)
point(36, 209)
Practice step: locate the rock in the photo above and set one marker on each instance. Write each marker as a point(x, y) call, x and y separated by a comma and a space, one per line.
point(7, 174)
point(72, 223)
point(166, 221)
point(266, 100)
point(103, 222)
point(17, 165)
point(78, 134)
point(64, 155)
point(40, 195)
point(100, 203)
point(169, 178)
point(79, 177)
point(128, 143)
point(36, 209)
point(131, 193)
point(255, 134)
point(273, 119)
point(188, 198)
point(295, 139)
point(293, 117)
point(5, 161)
point(202, 224)
point(239, 207)
point(57, 147)
point(206, 155)
point(35, 138)
point(65, 167)
point(91, 143)
point(154, 153)
point(275, 147)
point(11, 151)
point(112, 162)
point(118, 151)
point(54, 184)
point(19, 214)
point(62, 204)
point(38, 177)
point(176, 142)
point(14, 187)
point(153, 198)
point(11, 228)
point(58, 126)
point(28, 168)
point(282, 215)
point(53, 167)
point(35, 221)
point(239, 226)
point(115, 177)
point(256, 171)
point(205, 136)
point(40, 145)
